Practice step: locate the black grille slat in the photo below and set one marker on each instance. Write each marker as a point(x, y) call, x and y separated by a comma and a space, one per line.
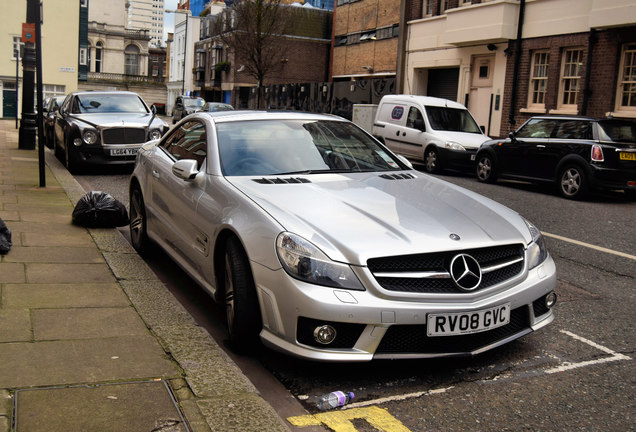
point(124, 136)
point(407, 339)
point(438, 262)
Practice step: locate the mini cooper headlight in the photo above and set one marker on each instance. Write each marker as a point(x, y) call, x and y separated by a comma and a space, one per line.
point(454, 146)
point(89, 136)
point(537, 252)
point(154, 134)
point(304, 261)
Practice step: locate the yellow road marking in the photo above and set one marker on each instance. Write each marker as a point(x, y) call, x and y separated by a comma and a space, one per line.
point(340, 421)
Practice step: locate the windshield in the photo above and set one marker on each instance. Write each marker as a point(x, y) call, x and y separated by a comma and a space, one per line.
point(279, 147)
point(617, 130)
point(108, 103)
point(451, 119)
point(193, 103)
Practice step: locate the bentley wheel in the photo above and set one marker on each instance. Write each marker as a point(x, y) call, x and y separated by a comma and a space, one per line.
point(138, 225)
point(572, 182)
point(241, 304)
point(485, 169)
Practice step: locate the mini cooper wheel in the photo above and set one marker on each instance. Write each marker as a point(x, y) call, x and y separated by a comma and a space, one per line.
point(241, 304)
point(138, 225)
point(572, 182)
point(485, 169)
point(431, 161)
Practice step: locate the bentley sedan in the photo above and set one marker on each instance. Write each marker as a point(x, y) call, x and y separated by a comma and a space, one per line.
point(576, 154)
point(323, 244)
point(103, 127)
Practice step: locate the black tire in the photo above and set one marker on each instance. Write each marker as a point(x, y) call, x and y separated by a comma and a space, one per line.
point(138, 221)
point(48, 139)
point(431, 161)
point(485, 169)
point(243, 316)
point(69, 162)
point(572, 182)
point(57, 149)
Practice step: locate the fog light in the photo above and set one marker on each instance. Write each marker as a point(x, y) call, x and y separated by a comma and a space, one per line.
point(77, 142)
point(324, 334)
point(550, 300)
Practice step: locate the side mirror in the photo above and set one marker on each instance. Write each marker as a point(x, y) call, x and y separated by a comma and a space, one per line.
point(405, 161)
point(186, 169)
point(483, 129)
point(419, 125)
point(153, 108)
point(512, 135)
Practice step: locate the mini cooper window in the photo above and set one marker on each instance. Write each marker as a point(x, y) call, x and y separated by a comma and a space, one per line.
point(108, 103)
point(188, 142)
point(574, 129)
point(293, 146)
point(536, 128)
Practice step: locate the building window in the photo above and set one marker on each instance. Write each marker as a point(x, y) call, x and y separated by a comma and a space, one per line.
point(131, 66)
point(83, 55)
point(570, 77)
point(98, 56)
point(427, 9)
point(626, 94)
point(538, 79)
point(51, 90)
point(18, 48)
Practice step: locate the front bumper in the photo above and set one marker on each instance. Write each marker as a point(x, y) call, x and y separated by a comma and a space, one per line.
point(460, 160)
point(376, 324)
point(101, 155)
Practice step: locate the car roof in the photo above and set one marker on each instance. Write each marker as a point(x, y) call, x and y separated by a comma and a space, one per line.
point(93, 92)
point(243, 115)
point(424, 100)
point(575, 117)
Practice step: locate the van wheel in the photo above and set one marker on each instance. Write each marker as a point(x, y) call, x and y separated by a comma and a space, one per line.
point(572, 182)
point(431, 161)
point(485, 169)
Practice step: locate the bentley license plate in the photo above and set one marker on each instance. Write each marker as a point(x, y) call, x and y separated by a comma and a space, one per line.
point(123, 152)
point(451, 324)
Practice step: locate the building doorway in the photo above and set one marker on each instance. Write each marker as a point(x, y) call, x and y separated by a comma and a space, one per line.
point(480, 96)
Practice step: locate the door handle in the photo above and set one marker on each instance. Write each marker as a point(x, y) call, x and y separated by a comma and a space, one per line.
point(540, 146)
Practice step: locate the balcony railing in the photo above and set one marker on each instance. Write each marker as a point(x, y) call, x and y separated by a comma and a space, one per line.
point(114, 77)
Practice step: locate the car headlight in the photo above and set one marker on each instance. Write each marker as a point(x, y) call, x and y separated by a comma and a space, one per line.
point(454, 146)
point(537, 252)
point(89, 136)
point(154, 134)
point(304, 261)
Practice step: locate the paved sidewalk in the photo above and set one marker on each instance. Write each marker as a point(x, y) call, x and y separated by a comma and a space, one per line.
point(90, 339)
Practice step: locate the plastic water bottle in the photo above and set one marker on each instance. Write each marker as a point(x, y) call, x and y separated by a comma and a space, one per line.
point(333, 400)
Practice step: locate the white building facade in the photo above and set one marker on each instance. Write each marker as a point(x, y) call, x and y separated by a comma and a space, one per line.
point(186, 33)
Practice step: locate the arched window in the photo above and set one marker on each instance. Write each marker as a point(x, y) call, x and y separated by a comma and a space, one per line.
point(132, 60)
point(99, 49)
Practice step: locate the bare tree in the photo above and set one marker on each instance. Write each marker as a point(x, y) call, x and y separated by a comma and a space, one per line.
point(254, 31)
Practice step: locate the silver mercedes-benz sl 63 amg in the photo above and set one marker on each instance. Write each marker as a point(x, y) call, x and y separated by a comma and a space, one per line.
point(323, 244)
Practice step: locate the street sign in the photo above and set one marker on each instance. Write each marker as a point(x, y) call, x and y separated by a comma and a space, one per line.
point(28, 32)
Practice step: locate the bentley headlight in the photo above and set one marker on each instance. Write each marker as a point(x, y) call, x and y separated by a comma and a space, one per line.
point(154, 134)
point(304, 261)
point(537, 252)
point(454, 146)
point(89, 136)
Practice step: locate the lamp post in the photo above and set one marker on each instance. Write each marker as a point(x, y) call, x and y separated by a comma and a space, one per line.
point(185, 42)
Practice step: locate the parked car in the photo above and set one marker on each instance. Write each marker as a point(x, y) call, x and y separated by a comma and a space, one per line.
point(216, 106)
point(329, 247)
point(103, 127)
point(576, 154)
point(185, 105)
point(49, 110)
point(438, 132)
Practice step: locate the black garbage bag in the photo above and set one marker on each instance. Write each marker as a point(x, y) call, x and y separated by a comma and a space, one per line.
point(99, 210)
point(5, 238)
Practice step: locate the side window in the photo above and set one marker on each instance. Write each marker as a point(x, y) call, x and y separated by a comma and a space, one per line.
point(538, 128)
point(414, 115)
point(188, 142)
point(573, 129)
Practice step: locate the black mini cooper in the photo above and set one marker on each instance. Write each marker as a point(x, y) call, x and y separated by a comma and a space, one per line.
point(575, 153)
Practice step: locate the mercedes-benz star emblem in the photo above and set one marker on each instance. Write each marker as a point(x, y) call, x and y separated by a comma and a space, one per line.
point(465, 272)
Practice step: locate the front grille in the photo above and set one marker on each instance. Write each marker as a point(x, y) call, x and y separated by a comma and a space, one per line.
point(387, 269)
point(539, 307)
point(124, 136)
point(412, 339)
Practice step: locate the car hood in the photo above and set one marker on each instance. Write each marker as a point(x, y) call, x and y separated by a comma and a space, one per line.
point(358, 216)
point(468, 140)
point(118, 119)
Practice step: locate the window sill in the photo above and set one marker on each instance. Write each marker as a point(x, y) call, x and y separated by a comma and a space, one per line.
point(533, 110)
point(564, 111)
point(623, 114)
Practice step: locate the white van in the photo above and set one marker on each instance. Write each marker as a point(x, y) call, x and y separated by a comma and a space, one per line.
point(439, 132)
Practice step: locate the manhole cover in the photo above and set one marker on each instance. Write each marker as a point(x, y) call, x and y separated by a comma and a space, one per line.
point(136, 407)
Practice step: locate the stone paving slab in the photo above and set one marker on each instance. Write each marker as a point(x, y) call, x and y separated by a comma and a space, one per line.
point(82, 361)
point(21, 296)
point(68, 273)
point(78, 239)
point(86, 323)
point(15, 325)
point(12, 273)
point(134, 407)
point(50, 254)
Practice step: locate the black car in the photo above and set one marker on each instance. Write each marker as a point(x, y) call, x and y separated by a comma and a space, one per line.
point(575, 153)
point(104, 127)
point(50, 109)
point(185, 105)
